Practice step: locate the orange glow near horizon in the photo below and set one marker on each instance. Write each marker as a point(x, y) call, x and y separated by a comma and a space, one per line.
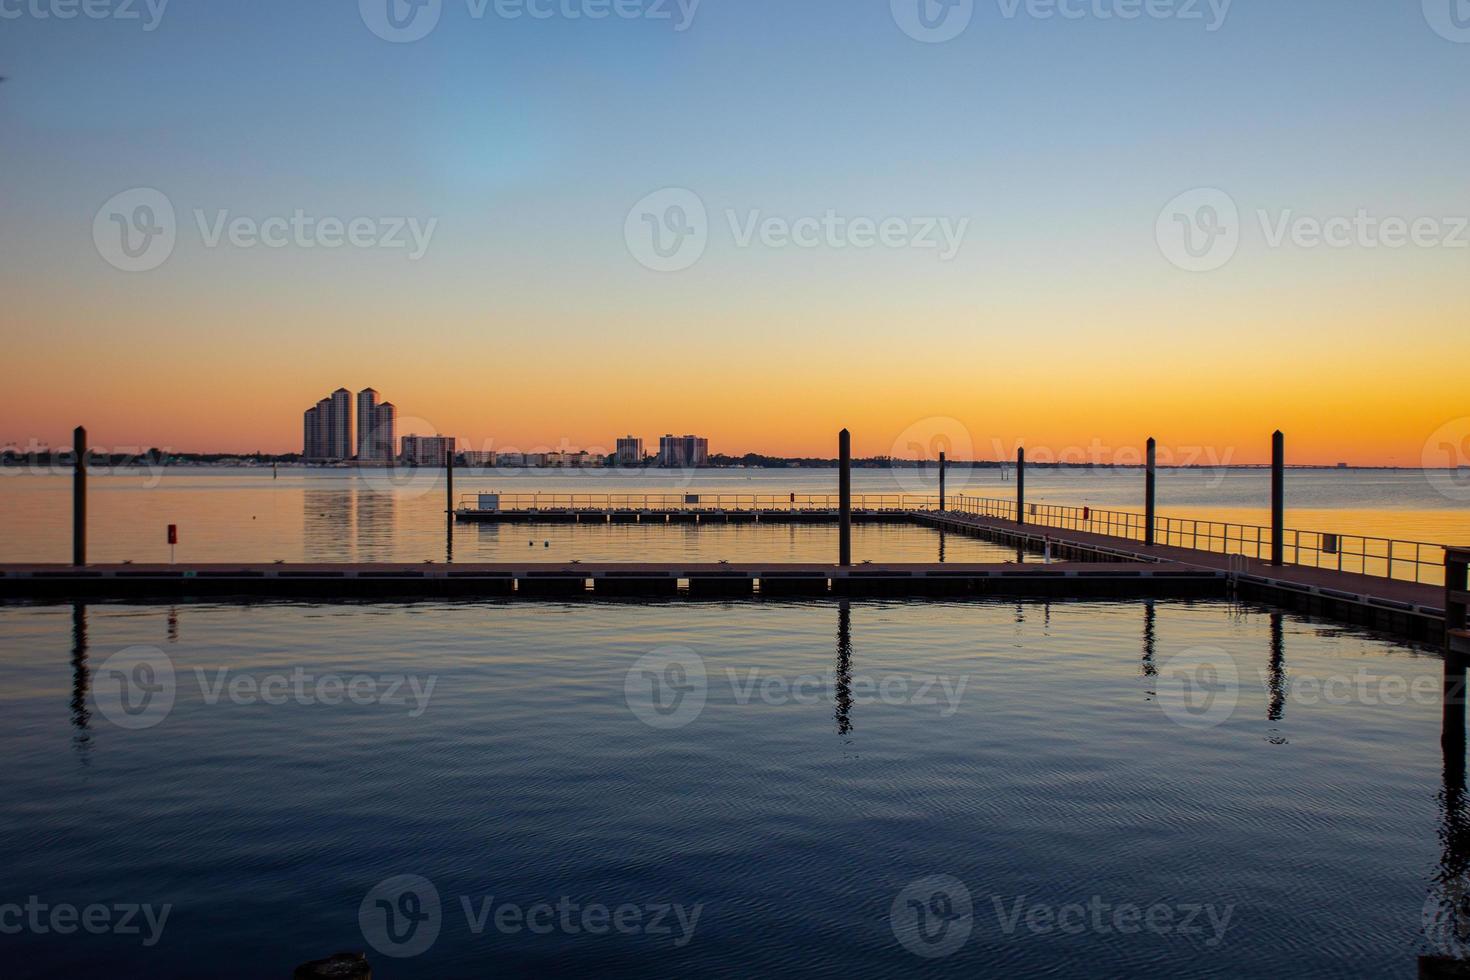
point(785, 389)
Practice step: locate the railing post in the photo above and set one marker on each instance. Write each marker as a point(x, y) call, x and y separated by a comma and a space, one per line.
point(1149, 487)
point(943, 465)
point(1278, 498)
point(844, 498)
point(1021, 485)
point(79, 497)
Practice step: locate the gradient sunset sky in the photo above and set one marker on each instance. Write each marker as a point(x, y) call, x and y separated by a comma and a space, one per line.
point(529, 321)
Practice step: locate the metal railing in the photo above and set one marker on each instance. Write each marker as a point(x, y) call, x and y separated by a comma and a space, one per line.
point(690, 500)
point(1411, 561)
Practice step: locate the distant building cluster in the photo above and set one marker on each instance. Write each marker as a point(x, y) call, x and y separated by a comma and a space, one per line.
point(682, 451)
point(329, 435)
point(328, 430)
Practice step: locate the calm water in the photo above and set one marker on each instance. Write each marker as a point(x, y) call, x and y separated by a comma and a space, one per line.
point(339, 515)
point(790, 803)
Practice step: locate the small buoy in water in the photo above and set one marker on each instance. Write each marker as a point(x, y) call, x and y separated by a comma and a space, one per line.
point(546, 544)
point(530, 544)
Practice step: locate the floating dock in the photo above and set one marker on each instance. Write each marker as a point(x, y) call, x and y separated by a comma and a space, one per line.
point(503, 580)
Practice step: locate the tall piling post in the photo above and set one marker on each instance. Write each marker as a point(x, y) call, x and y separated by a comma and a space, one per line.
point(79, 497)
point(1278, 498)
point(844, 498)
point(449, 504)
point(943, 466)
point(1021, 485)
point(1150, 487)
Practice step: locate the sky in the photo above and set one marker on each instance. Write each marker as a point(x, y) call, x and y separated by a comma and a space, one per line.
point(1068, 224)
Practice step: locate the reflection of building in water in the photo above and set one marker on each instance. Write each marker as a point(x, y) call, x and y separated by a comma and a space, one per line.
point(349, 524)
point(374, 528)
point(327, 524)
point(81, 681)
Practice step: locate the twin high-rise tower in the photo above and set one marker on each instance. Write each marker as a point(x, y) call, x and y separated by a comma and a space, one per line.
point(327, 430)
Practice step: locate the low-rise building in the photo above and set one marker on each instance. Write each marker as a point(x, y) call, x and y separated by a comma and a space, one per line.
point(427, 450)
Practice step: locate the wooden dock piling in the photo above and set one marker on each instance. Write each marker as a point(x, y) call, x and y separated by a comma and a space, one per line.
point(1278, 499)
point(79, 497)
point(943, 465)
point(844, 497)
point(1150, 487)
point(1021, 485)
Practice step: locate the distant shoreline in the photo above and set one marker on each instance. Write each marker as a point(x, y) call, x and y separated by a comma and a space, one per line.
point(225, 461)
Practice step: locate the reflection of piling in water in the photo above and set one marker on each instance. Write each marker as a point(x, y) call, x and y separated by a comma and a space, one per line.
point(1150, 640)
point(340, 966)
point(1447, 916)
point(843, 676)
point(1276, 677)
point(81, 678)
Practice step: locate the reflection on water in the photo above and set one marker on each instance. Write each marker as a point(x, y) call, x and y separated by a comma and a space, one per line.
point(528, 775)
point(1276, 680)
point(1447, 912)
point(245, 515)
point(349, 524)
point(81, 716)
point(1150, 637)
point(843, 672)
